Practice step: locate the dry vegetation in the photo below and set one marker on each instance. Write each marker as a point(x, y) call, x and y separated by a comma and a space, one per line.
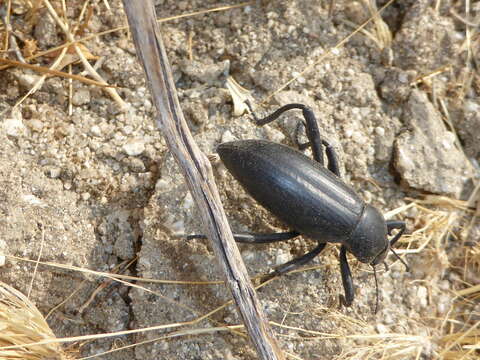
point(24, 332)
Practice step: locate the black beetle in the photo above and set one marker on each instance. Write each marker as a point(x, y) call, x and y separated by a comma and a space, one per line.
point(309, 198)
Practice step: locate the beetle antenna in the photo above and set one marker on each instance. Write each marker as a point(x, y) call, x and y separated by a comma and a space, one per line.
point(401, 260)
point(376, 287)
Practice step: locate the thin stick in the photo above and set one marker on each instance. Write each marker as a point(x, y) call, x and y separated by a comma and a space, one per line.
point(197, 172)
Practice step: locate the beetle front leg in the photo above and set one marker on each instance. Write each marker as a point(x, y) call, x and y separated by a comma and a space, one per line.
point(346, 279)
point(401, 226)
point(298, 262)
point(396, 224)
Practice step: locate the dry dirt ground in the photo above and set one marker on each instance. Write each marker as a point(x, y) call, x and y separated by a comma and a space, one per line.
point(88, 183)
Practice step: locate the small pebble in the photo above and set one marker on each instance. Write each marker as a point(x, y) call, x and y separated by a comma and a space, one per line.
point(228, 136)
point(422, 293)
point(187, 201)
point(471, 106)
point(13, 127)
point(54, 172)
point(178, 227)
point(380, 131)
point(127, 130)
point(274, 134)
point(96, 131)
point(403, 78)
point(28, 80)
point(382, 329)
point(35, 125)
point(248, 255)
point(359, 138)
point(32, 200)
point(81, 97)
point(162, 185)
point(134, 147)
point(282, 258)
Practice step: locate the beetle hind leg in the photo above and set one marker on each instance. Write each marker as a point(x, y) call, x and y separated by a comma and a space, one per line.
point(312, 129)
point(256, 238)
point(265, 238)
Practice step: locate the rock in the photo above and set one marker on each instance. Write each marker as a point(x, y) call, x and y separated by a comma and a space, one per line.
point(392, 89)
point(465, 122)
point(425, 39)
point(426, 156)
point(46, 31)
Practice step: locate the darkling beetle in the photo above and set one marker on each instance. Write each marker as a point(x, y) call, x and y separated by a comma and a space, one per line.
point(311, 199)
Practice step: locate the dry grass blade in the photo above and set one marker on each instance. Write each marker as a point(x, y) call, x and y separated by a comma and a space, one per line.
point(382, 32)
point(116, 276)
point(22, 324)
point(53, 72)
point(462, 345)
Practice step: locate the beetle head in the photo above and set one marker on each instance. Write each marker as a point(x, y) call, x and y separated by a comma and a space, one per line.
point(368, 241)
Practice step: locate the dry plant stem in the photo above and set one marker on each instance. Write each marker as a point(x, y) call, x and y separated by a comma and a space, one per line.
point(198, 173)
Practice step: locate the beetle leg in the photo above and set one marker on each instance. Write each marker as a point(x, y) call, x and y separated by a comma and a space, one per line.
point(298, 262)
point(346, 279)
point(313, 132)
point(256, 238)
point(400, 225)
point(331, 155)
point(264, 238)
point(332, 158)
point(395, 224)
